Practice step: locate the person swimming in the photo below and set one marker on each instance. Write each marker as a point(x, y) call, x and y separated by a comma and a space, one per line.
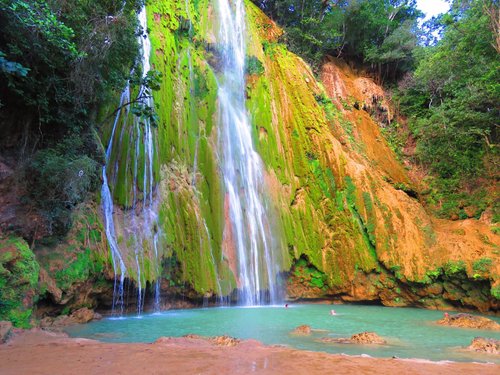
point(332, 312)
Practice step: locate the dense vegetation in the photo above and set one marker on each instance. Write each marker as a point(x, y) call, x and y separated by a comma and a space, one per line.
point(448, 86)
point(59, 62)
point(381, 33)
point(453, 102)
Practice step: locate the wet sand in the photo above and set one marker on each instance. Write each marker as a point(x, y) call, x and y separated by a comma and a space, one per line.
point(40, 352)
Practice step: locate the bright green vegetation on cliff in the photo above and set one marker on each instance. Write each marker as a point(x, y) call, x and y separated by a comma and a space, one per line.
point(192, 209)
point(18, 281)
point(315, 212)
point(452, 108)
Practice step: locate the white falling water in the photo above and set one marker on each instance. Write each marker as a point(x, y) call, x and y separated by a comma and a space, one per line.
point(140, 225)
point(119, 267)
point(242, 167)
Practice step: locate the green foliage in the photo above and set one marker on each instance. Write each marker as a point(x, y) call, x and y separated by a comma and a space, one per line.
point(452, 268)
point(495, 292)
point(381, 33)
point(482, 265)
point(396, 139)
point(58, 181)
point(452, 100)
point(312, 27)
point(59, 61)
point(254, 66)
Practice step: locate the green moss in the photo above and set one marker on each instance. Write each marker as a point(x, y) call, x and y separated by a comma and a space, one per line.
point(309, 274)
point(495, 292)
point(482, 265)
point(79, 270)
point(254, 66)
point(452, 268)
point(19, 272)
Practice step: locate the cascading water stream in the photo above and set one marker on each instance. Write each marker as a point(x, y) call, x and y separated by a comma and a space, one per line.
point(108, 206)
point(242, 167)
point(140, 223)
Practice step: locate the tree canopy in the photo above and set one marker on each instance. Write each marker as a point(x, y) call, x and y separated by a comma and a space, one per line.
point(60, 61)
point(380, 33)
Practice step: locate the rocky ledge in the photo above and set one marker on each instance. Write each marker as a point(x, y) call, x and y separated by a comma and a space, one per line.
point(303, 330)
point(484, 345)
point(80, 316)
point(363, 338)
point(469, 321)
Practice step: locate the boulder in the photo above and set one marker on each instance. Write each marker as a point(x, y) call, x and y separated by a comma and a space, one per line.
point(83, 315)
point(5, 331)
point(303, 330)
point(469, 321)
point(367, 338)
point(80, 316)
point(484, 345)
point(363, 338)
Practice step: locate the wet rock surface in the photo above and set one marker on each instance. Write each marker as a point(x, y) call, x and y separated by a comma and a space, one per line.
point(363, 338)
point(469, 321)
point(485, 345)
point(303, 330)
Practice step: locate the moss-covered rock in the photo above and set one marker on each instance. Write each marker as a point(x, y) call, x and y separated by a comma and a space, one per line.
point(18, 281)
point(346, 204)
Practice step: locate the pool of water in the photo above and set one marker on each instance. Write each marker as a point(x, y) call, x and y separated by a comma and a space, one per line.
point(410, 333)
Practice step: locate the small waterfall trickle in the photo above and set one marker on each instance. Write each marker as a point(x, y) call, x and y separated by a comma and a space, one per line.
point(242, 168)
point(140, 221)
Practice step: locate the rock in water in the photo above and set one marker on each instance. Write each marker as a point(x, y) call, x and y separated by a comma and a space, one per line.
point(303, 330)
point(469, 321)
point(367, 338)
point(5, 331)
point(483, 345)
point(363, 338)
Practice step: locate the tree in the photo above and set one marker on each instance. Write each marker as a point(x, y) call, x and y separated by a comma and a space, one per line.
point(453, 99)
point(59, 62)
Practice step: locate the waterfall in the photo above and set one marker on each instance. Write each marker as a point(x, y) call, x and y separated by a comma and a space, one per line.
point(140, 222)
point(119, 268)
point(242, 167)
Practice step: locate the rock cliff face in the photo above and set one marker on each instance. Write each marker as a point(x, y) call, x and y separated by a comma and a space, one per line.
point(349, 215)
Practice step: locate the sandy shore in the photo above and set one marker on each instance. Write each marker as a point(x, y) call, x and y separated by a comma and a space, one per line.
point(40, 352)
